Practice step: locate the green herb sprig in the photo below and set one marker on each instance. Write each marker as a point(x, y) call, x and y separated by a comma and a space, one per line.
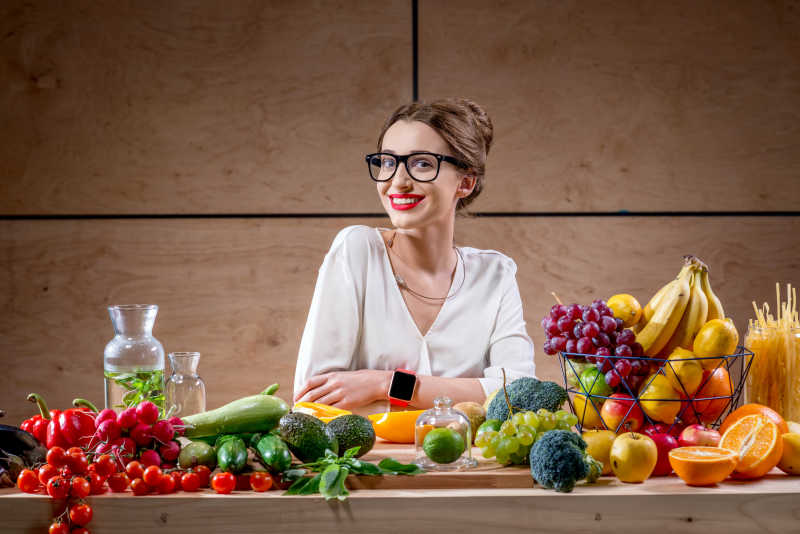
point(333, 471)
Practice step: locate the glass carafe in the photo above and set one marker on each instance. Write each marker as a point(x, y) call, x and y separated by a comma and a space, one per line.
point(443, 438)
point(185, 390)
point(133, 362)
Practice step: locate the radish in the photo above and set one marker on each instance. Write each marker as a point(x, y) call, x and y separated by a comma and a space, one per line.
point(150, 457)
point(141, 434)
point(105, 415)
point(108, 430)
point(178, 424)
point(127, 417)
point(147, 412)
point(163, 431)
point(169, 451)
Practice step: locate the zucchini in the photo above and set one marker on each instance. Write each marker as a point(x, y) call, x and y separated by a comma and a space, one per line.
point(272, 452)
point(256, 413)
point(231, 454)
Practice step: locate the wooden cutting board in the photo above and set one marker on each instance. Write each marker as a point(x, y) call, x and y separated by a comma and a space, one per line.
point(487, 474)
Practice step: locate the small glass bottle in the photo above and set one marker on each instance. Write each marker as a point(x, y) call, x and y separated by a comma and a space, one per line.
point(186, 391)
point(133, 361)
point(443, 438)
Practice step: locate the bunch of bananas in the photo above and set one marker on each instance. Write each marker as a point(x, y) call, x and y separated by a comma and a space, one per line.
point(678, 311)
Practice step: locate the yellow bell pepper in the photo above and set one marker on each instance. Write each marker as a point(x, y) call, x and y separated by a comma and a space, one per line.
point(320, 411)
point(397, 427)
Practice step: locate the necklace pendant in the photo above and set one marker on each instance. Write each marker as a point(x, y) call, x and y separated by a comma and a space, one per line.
point(400, 281)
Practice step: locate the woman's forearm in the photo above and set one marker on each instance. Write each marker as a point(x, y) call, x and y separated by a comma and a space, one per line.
point(457, 389)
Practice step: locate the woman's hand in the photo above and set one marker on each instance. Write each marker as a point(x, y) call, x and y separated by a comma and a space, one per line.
point(346, 389)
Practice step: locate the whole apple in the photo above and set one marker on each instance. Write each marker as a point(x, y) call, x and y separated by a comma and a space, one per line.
point(620, 413)
point(664, 443)
point(633, 457)
point(698, 435)
point(673, 430)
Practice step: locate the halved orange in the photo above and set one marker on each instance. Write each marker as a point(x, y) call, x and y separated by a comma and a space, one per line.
point(702, 466)
point(397, 427)
point(750, 409)
point(757, 443)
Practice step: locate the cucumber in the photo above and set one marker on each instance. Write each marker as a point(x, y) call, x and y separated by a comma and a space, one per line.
point(256, 413)
point(231, 454)
point(273, 453)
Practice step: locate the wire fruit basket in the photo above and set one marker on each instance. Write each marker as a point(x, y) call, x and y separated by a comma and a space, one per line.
point(672, 395)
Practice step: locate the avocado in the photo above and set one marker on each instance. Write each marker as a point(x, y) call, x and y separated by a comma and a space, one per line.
point(197, 453)
point(306, 436)
point(353, 431)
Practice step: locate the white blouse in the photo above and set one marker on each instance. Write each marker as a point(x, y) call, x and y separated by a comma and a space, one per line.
point(359, 320)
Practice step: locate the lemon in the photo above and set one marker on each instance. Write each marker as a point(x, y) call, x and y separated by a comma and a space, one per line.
point(588, 414)
point(626, 307)
point(443, 445)
point(663, 406)
point(718, 337)
point(598, 446)
point(683, 371)
point(790, 460)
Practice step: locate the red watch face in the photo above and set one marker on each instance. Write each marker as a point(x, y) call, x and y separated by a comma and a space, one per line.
point(402, 386)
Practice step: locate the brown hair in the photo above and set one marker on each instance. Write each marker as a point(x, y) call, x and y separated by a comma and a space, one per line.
point(465, 127)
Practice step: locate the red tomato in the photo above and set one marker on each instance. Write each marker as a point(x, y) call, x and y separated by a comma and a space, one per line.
point(223, 482)
point(80, 514)
point(190, 482)
point(139, 487)
point(75, 451)
point(167, 484)
point(152, 476)
point(57, 457)
point(134, 470)
point(79, 464)
point(105, 465)
point(58, 487)
point(118, 482)
point(260, 481)
point(176, 476)
point(58, 528)
point(79, 487)
point(46, 472)
point(204, 474)
point(97, 483)
point(28, 481)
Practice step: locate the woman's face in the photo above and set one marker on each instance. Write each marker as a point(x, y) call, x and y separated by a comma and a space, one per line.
point(412, 204)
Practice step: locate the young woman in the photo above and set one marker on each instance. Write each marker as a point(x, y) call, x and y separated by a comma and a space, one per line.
point(402, 314)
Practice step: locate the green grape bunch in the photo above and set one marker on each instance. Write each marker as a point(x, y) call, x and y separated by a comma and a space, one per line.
point(511, 444)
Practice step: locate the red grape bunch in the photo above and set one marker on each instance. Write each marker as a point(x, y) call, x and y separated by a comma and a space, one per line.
point(592, 332)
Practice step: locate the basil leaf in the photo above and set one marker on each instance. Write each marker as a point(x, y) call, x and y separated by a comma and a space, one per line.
point(392, 466)
point(328, 485)
point(293, 474)
point(343, 493)
point(298, 485)
point(312, 486)
point(349, 453)
point(363, 468)
point(330, 455)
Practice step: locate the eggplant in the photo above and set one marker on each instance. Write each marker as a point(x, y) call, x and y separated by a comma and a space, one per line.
point(16, 443)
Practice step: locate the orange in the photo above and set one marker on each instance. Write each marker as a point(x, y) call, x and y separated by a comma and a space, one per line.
point(750, 409)
point(716, 383)
point(397, 427)
point(702, 466)
point(757, 442)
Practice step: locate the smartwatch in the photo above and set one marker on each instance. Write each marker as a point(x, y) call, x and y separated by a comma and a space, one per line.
point(402, 387)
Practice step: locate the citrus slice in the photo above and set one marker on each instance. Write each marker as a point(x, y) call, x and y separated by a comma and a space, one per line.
point(750, 409)
point(702, 466)
point(757, 443)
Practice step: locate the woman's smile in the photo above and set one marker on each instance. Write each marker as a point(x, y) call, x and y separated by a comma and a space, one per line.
point(405, 201)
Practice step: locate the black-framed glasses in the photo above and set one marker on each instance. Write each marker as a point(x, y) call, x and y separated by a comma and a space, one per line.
point(420, 166)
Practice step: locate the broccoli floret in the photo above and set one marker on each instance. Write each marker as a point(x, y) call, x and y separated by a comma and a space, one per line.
point(527, 393)
point(559, 460)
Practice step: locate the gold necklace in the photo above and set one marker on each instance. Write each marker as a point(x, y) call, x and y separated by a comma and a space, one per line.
point(403, 285)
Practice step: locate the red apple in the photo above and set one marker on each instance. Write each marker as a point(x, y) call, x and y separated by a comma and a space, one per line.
point(664, 443)
point(673, 430)
point(620, 413)
point(698, 435)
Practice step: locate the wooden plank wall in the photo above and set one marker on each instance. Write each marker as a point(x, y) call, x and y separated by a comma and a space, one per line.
point(192, 110)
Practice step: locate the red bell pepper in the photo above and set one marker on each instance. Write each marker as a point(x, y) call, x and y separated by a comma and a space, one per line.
point(68, 428)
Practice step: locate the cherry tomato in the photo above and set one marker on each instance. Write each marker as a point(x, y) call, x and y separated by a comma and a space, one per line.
point(80, 514)
point(118, 482)
point(223, 482)
point(79, 464)
point(134, 470)
point(139, 487)
point(46, 472)
point(190, 482)
point(152, 476)
point(57, 457)
point(58, 528)
point(204, 473)
point(66, 472)
point(75, 451)
point(167, 484)
point(105, 465)
point(79, 487)
point(260, 481)
point(58, 487)
point(97, 483)
point(28, 481)
point(176, 476)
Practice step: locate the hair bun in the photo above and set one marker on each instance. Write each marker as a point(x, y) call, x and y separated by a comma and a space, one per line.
point(481, 120)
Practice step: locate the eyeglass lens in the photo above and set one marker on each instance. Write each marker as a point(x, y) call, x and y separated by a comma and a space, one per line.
point(422, 167)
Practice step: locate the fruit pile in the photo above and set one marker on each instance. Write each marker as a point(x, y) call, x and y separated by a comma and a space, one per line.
point(510, 441)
